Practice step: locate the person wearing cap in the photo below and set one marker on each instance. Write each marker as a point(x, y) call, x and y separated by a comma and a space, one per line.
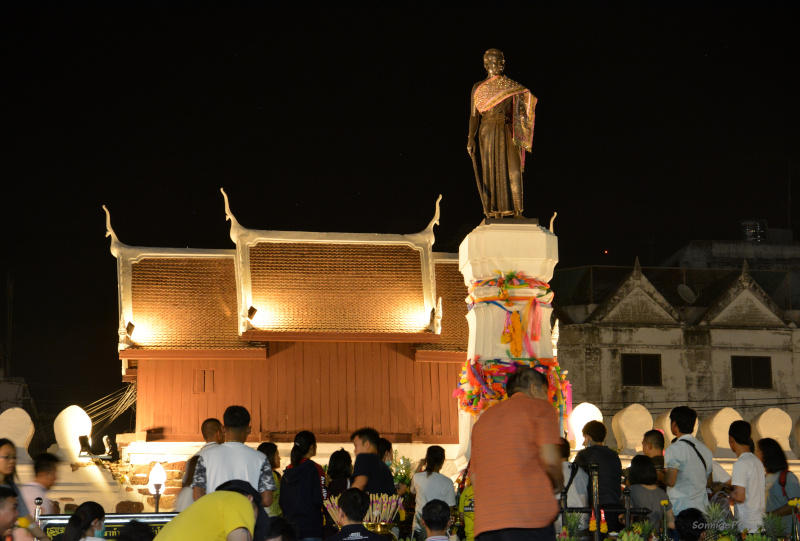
point(231, 513)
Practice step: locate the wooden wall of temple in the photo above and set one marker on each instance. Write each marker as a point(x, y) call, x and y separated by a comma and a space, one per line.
point(330, 388)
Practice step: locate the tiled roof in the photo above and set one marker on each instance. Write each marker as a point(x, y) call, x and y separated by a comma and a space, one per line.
point(450, 287)
point(185, 303)
point(591, 285)
point(332, 287)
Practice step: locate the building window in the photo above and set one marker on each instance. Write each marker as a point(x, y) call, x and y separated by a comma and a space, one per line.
point(749, 372)
point(203, 381)
point(641, 369)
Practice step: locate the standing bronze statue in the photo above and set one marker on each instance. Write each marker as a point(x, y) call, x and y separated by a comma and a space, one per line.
point(502, 113)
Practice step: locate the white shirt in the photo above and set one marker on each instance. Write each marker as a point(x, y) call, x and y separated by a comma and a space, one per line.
point(31, 491)
point(577, 495)
point(431, 487)
point(203, 450)
point(690, 485)
point(748, 472)
point(720, 475)
point(235, 460)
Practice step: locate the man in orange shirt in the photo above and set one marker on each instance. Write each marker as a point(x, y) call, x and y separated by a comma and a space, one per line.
point(515, 465)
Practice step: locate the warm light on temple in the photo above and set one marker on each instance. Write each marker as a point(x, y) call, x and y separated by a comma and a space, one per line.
point(264, 318)
point(143, 333)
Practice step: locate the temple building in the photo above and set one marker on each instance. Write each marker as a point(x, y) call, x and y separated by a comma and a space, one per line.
point(327, 332)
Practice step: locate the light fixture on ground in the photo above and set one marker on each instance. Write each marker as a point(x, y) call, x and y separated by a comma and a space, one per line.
point(158, 478)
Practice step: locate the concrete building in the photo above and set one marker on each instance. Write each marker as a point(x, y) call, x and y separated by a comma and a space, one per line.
point(701, 334)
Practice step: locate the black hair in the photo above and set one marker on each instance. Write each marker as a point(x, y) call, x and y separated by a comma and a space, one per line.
point(690, 523)
point(384, 446)
point(279, 528)
point(10, 477)
point(436, 515)
point(642, 471)
point(595, 430)
point(6, 492)
point(564, 448)
point(434, 459)
point(236, 417)
point(340, 465)
point(740, 431)
point(772, 456)
point(191, 466)
point(212, 425)
point(684, 417)
point(654, 438)
point(45, 462)
point(523, 378)
point(82, 519)
point(367, 434)
point(269, 449)
point(354, 503)
point(136, 531)
point(303, 441)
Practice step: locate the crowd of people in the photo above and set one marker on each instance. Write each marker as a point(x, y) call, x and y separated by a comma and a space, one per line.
point(517, 440)
point(685, 476)
point(290, 507)
point(519, 462)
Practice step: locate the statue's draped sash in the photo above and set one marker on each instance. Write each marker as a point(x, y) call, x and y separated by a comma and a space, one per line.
point(494, 91)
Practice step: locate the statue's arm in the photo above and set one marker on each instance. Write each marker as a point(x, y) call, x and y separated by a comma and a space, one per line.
point(474, 121)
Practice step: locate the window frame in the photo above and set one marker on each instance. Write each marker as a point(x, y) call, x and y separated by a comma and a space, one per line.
point(756, 366)
point(642, 359)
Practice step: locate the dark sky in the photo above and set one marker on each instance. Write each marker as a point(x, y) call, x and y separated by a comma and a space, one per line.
point(657, 123)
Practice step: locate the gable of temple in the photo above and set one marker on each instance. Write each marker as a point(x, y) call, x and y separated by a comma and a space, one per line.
point(296, 286)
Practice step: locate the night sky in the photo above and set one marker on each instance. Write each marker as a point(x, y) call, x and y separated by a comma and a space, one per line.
point(657, 124)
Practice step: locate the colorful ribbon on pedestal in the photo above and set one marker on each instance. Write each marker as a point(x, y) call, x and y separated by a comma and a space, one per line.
point(483, 382)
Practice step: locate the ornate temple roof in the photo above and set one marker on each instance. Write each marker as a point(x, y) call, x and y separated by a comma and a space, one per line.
point(304, 286)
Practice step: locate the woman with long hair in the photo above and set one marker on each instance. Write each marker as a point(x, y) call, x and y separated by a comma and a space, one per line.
point(8, 471)
point(782, 484)
point(271, 451)
point(645, 492)
point(431, 485)
point(303, 488)
point(87, 523)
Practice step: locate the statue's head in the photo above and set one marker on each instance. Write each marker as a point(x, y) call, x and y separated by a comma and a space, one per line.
point(494, 62)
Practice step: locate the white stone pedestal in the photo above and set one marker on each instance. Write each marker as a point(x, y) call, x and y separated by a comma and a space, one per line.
point(488, 251)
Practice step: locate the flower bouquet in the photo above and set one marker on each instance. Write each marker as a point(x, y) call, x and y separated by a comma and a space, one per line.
point(401, 469)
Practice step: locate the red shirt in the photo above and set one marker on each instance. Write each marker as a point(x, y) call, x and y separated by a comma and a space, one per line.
point(512, 489)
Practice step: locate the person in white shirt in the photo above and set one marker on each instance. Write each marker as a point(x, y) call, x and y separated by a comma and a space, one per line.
point(687, 463)
point(431, 485)
point(44, 470)
point(234, 460)
point(748, 479)
point(576, 483)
